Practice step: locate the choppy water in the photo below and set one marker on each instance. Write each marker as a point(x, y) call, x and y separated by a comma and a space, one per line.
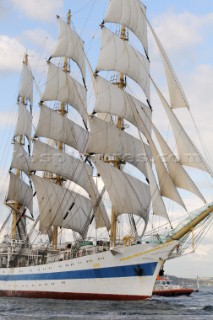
point(198, 306)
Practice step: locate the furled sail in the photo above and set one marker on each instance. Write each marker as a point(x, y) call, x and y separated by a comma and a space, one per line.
point(62, 87)
point(105, 138)
point(187, 151)
point(54, 126)
point(127, 194)
point(26, 89)
point(70, 45)
point(20, 192)
point(177, 96)
point(111, 99)
point(50, 159)
point(61, 207)
point(131, 14)
point(118, 55)
point(24, 122)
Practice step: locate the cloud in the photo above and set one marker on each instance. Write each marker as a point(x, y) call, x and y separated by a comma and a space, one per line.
point(180, 33)
point(11, 53)
point(43, 10)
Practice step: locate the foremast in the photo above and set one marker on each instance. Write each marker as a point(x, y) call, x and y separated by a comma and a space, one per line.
point(62, 205)
point(20, 194)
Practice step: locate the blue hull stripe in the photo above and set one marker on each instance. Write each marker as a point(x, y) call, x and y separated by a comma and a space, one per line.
point(146, 269)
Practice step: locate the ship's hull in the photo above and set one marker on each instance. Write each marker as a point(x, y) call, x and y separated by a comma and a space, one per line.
point(126, 273)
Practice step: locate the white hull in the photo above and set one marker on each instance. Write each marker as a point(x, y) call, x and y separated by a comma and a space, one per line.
point(129, 273)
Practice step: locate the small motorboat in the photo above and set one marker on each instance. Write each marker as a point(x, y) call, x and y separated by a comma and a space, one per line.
point(165, 287)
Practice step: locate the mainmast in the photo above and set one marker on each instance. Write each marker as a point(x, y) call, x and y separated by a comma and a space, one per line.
point(63, 111)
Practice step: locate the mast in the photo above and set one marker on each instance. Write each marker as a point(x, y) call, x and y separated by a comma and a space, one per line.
point(59, 180)
point(121, 83)
point(16, 205)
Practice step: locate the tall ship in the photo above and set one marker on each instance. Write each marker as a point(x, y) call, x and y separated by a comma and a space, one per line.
point(90, 191)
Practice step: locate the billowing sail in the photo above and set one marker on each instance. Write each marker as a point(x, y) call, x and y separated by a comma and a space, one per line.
point(70, 45)
point(177, 96)
point(26, 89)
point(187, 151)
point(106, 139)
point(62, 87)
point(131, 14)
point(61, 207)
point(21, 159)
point(118, 55)
point(127, 194)
point(50, 159)
point(54, 126)
point(179, 176)
point(24, 122)
point(111, 99)
point(20, 192)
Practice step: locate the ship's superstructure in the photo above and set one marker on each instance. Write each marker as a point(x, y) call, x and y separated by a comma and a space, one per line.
point(73, 166)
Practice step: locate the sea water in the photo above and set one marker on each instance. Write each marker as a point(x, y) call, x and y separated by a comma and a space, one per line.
point(197, 306)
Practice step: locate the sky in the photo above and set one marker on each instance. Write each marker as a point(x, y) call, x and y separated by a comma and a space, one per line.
point(185, 28)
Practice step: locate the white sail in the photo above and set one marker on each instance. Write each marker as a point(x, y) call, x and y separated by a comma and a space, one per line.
point(177, 96)
point(167, 187)
point(26, 89)
point(54, 126)
point(20, 192)
point(61, 207)
point(50, 159)
point(178, 174)
point(24, 122)
point(105, 138)
point(62, 87)
point(127, 194)
point(158, 205)
point(111, 99)
point(131, 14)
point(187, 151)
point(70, 45)
point(21, 159)
point(118, 55)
